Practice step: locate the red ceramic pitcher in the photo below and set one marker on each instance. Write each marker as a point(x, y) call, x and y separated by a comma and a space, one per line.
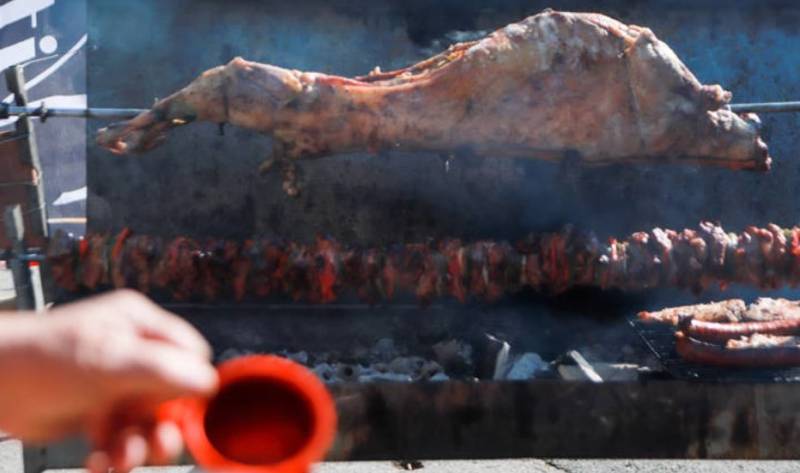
point(270, 415)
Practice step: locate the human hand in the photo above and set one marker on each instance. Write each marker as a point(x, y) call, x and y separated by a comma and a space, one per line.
point(101, 367)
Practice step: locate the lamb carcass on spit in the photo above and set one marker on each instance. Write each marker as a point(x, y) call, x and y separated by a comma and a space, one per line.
point(553, 85)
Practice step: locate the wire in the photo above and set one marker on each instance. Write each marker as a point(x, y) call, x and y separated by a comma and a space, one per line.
point(37, 60)
point(17, 183)
point(15, 138)
point(29, 211)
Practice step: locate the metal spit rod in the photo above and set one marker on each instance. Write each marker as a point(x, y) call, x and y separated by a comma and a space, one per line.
point(765, 107)
point(44, 112)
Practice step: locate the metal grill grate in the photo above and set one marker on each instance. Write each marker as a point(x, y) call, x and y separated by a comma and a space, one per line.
point(660, 339)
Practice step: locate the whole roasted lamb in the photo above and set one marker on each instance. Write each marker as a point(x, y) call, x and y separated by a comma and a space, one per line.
point(553, 85)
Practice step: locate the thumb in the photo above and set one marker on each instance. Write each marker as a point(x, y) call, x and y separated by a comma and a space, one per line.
point(161, 371)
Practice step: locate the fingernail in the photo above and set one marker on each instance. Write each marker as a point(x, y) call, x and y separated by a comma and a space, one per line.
point(203, 379)
point(135, 451)
point(98, 462)
point(168, 443)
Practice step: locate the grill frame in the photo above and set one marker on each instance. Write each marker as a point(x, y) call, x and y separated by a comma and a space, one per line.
point(548, 419)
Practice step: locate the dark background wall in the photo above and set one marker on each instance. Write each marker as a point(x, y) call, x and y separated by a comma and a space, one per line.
point(203, 184)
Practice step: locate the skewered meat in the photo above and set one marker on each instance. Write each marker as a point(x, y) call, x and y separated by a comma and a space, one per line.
point(325, 270)
point(553, 85)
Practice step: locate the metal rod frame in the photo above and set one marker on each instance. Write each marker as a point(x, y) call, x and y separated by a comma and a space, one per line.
point(766, 107)
point(43, 112)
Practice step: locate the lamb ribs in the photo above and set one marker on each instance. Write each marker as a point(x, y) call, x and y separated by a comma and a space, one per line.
point(550, 86)
point(324, 271)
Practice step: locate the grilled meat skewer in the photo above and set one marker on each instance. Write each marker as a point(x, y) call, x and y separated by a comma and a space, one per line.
point(325, 270)
point(550, 86)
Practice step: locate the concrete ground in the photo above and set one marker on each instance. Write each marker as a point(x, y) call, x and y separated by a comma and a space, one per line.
point(535, 466)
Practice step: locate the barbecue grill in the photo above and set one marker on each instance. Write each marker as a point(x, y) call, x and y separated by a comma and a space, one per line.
point(432, 379)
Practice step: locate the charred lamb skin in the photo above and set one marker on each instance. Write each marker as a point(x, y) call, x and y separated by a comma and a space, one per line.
point(552, 85)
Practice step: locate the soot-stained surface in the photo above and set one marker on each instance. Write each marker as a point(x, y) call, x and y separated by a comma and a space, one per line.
point(587, 320)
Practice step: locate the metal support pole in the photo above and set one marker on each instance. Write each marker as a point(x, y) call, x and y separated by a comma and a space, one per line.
point(15, 79)
point(766, 107)
point(15, 231)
